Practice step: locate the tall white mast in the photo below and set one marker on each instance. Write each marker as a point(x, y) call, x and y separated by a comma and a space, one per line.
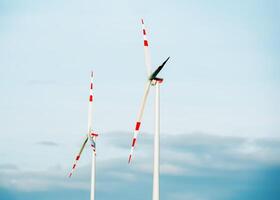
point(93, 172)
point(156, 171)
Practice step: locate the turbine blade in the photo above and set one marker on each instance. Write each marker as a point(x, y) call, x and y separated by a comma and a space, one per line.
point(139, 119)
point(78, 156)
point(90, 104)
point(155, 73)
point(148, 61)
point(89, 125)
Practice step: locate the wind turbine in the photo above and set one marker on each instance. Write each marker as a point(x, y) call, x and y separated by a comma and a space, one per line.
point(91, 137)
point(153, 80)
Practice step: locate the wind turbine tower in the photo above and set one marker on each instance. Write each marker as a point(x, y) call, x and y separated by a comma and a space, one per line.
point(91, 136)
point(152, 80)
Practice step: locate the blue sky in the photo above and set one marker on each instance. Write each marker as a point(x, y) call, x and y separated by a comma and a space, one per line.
point(219, 102)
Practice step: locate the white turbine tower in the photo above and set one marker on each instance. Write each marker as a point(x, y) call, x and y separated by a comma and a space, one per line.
point(91, 136)
point(154, 81)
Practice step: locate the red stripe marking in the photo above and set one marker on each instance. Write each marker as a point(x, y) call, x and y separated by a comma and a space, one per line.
point(146, 43)
point(144, 31)
point(78, 157)
point(133, 142)
point(74, 166)
point(94, 134)
point(137, 127)
point(91, 86)
point(90, 98)
point(129, 159)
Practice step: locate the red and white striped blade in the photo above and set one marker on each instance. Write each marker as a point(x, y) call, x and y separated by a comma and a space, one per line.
point(90, 104)
point(148, 61)
point(139, 119)
point(78, 156)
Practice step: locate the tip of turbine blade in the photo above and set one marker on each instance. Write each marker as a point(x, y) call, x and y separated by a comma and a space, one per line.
point(91, 74)
point(70, 175)
point(142, 21)
point(129, 159)
point(166, 60)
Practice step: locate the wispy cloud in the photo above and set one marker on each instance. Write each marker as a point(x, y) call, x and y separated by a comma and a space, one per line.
point(8, 167)
point(48, 143)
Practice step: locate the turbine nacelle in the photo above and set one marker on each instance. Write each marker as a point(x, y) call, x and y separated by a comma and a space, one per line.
point(93, 134)
point(156, 80)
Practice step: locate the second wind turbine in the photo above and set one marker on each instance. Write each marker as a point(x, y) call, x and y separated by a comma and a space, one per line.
point(90, 136)
point(153, 80)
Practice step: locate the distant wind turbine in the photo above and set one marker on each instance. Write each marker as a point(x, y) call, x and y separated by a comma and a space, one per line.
point(153, 80)
point(91, 137)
